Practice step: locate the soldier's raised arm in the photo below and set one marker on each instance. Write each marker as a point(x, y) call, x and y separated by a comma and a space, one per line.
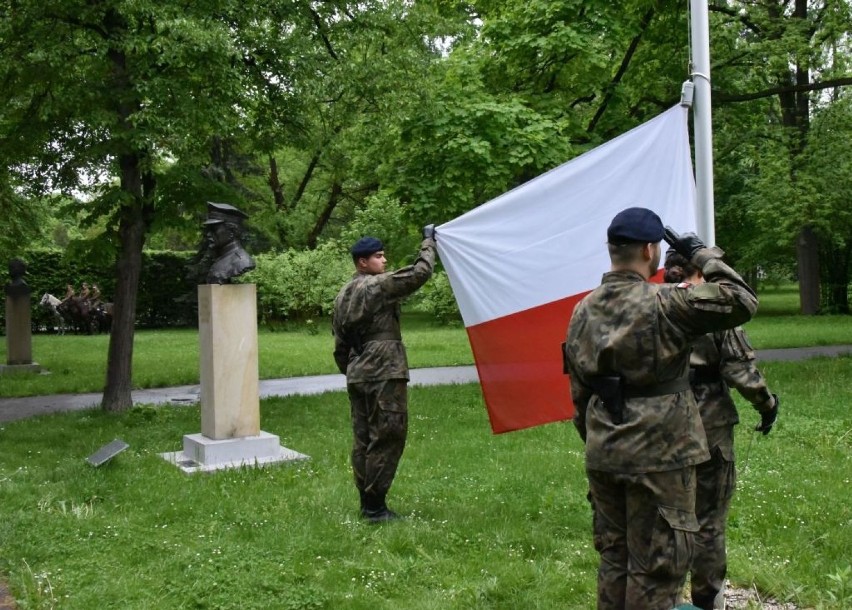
point(405, 281)
point(724, 301)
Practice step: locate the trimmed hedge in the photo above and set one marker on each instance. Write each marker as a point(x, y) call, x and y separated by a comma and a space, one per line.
point(166, 297)
point(291, 285)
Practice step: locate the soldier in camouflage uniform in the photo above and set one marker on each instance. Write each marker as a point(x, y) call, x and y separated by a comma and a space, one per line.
point(368, 349)
point(627, 354)
point(719, 360)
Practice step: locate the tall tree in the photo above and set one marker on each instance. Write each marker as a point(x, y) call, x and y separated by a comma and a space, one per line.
point(777, 62)
point(356, 69)
point(101, 97)
point(540, 82)
point(825, 199)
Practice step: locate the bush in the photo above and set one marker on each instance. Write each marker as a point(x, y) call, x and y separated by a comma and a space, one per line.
point(293, 285)
point(383, 217)
point(437, 299)
point(299, 284)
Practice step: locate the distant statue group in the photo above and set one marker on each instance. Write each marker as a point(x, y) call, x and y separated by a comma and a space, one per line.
point(82, 312)
point(221, 257)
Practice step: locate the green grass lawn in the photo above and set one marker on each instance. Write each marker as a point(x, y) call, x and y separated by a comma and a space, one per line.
point(491, 521)
point(164, 358)
point(161, 358)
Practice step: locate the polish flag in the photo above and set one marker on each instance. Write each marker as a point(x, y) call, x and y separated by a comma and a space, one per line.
point(520, 263)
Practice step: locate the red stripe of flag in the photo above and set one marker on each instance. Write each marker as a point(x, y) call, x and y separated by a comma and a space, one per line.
point(519, 361)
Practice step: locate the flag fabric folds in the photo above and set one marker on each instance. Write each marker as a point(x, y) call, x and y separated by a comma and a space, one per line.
point(519, 263)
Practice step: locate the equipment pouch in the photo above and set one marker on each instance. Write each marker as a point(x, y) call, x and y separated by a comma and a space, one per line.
point(355, 340)
point(611, 391)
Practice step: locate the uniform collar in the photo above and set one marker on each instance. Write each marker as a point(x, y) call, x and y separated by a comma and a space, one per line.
point(622, 275)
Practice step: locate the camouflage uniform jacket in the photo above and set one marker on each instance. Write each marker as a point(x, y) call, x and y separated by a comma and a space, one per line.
point(642, 332)
point(367, 341)
point(729, 357)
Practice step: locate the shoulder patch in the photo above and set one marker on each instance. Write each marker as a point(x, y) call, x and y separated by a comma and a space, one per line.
point(707, 290)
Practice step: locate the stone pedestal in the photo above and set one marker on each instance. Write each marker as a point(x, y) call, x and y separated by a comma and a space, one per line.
point(230, 400)
point(19, 337)
point(19, 331)
point(202, 454)
point(227, 333)
point(11, 369)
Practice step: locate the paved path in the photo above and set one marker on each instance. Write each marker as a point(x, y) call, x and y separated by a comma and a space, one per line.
point(12, 409)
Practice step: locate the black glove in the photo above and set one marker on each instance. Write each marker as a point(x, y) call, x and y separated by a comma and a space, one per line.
point(767, 418)
point(686, 245)
point(429, 232)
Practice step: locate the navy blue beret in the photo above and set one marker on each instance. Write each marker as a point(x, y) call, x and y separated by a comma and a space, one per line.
point(366, 246)
point(639, 225)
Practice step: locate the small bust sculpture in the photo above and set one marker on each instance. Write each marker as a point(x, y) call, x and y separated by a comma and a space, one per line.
point(17, 285)
point(224, 229)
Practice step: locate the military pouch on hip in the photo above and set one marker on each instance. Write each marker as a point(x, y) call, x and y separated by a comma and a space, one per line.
point(611, 391)
point(355, 341)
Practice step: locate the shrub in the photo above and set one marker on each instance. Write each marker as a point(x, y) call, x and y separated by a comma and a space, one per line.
point(299, 284)
point(385, 218)
point(437, 299)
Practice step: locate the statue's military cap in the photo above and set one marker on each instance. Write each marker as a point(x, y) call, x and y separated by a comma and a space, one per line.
point(366, 246)
point(223, 212)
point(635, 225)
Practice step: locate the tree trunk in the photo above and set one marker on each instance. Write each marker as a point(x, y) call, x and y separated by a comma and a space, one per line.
point(795, 112)
point(131, 229)
point(325, 215)
point(275, 185)
point(807, 255)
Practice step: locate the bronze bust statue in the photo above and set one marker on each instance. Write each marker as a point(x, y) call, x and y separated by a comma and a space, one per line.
point(18, 285)
point(224, 229)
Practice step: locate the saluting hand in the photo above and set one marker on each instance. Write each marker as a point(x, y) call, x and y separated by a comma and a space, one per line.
point(767, 418)
point(686, 244)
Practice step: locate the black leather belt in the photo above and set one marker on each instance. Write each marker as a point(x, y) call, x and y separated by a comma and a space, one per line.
point(389, 336)
point(660, 389)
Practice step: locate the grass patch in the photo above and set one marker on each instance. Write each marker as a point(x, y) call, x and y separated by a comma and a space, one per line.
point(780, 299)
point(492, 521)
point(162, 358)
point(165, 358)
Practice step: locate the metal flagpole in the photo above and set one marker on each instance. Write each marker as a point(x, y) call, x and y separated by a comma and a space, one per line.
point(703, 127)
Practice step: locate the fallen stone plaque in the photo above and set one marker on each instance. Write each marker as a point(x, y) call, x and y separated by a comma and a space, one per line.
point(107, 452)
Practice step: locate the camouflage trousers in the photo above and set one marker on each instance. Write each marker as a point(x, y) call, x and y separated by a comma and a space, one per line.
point(716, 480)
point(380, 425)
point(644, 524)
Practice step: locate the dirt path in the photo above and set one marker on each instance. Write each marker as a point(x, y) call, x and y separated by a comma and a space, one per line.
point(6, 600)
point(736, 599)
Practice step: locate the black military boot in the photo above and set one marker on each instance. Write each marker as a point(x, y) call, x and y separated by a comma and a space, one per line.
point(705, 602)
point(375, 510)
point(363, 495)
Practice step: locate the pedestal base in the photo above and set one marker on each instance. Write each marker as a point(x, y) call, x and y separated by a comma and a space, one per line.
point(14, 369)
point(203, 454)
